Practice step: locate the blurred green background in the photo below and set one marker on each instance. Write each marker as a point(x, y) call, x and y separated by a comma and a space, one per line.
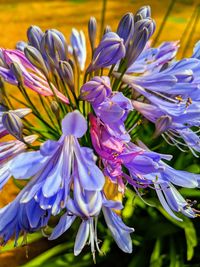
point(158, 239)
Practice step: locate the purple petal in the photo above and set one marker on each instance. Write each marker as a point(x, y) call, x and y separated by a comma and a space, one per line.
point(63, 225)
point(120, 232)
point(74, 124)
point(81, 237)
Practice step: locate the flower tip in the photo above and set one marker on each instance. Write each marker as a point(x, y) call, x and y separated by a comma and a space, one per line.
point(74, 124)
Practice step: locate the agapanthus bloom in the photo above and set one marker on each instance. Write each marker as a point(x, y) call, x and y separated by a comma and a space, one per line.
point(83, 130)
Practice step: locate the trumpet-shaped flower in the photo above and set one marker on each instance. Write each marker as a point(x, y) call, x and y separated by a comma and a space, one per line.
point(53, 166)
point(87, 205)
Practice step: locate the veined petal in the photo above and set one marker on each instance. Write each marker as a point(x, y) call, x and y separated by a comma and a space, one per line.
point(81, 237)
point(74, 124)
point(91, 177)
point(120, 232)
point(164, 203)
point(63, 225)
point(26, 164)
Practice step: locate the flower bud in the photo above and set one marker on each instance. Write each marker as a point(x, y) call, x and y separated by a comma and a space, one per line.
point(15, 68)
point(79, 47)
point(54, 47)
point(21, 45)
point(36, 59)
point(136, 46)
point(96, 90)
point(92, 30)
point(110, 50)
point(21, 112)
point(35, 35)
point(142, 32)
point(67, 73)
point(162, 124)
point(143, 13)
point(125, 28)
point(13, 124)
point(55, 108)
point(107, 29)
point(149, 24)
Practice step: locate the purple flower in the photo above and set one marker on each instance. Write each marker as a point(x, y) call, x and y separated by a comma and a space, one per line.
point(152, 59)
point(112, 151)
point(17, 218)
point(143, 13)
point(111, 108)
point(96, 90)
point(171, 199)
point(87, 205)
point(180, 119)
point(148, 168)
point(8, 151)
point(54, 166)
point(33, 78)
point(113, 112)
point(110, 50)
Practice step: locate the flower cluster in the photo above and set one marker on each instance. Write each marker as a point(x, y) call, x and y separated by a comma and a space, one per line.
point(80, 134)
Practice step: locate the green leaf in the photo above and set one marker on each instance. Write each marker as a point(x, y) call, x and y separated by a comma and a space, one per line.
point(172, 253)
point(30, 239)
point(42, 258)
point(195, 168)
point(188, 227)
point(191, 238)
point(156, 259)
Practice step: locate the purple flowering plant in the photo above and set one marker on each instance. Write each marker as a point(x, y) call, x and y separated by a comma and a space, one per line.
point(78, 151)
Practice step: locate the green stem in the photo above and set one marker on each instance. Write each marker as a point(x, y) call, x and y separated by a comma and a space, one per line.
point(171, 5)
point(194, 26)
point(103, 14)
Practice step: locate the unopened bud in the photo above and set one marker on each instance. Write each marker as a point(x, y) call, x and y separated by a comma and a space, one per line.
point(107, 29)
point(67, 73)
point(54, 47)
point(21, 45)
point(79, 47)
point(35, 35)
point(36, 59)
point(13, 124)
point(143, 13)
point(15, 68)
point(55, 108)
point(21, 112)
point(148, 23)
point(96, 90)
point(110, 50)
point(136, 46)
point(72, 64)
point(92, 30)
point(125, 28)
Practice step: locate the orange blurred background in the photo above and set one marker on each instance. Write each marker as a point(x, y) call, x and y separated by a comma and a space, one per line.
point(17, 15)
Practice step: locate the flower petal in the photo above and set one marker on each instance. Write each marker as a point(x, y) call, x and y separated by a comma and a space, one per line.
point(74, 124)
point(81, 237)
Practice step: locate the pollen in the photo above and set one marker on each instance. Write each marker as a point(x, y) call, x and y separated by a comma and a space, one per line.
point(179, 98)
point(189, 101)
